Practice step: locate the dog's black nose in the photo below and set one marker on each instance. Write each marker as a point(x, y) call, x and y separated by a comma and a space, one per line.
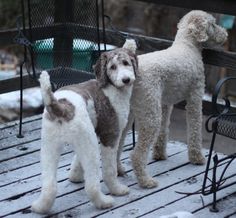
point(126, 80)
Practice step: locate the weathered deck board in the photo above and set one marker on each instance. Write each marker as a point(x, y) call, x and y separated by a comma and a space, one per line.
point(14, 124)
point(194, 203)
point(20, 182)
point(34, 182)
point(82, 199)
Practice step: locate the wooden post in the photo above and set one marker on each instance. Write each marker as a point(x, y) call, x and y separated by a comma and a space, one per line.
point(64, 42)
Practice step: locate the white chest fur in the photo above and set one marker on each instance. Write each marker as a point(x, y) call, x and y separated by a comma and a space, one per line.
point(120, 100)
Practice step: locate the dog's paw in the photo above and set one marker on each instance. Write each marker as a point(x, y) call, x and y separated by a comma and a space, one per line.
point(104, 202)
point(148, 183)
point(159, 155)
point(75, 178)
point(200, 160)
point(196, 157)
point(40, 207)
point(159, 149)
point(121, 170)
point(119, 190)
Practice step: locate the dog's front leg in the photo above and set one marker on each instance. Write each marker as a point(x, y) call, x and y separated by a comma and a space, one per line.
point(76, 173)
point(120, 168)
point(194, 126)
point(109, 170)
point(50, 153)
point(88, 160)
point(159, 148)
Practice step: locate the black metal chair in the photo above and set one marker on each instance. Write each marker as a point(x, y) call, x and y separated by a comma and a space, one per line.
point(221, 122)
point(63, 37)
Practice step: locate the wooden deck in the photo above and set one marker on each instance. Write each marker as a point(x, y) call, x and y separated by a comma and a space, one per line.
point(20, 182)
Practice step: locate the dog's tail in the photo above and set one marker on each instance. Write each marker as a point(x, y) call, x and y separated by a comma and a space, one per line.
point(61, 109)
point(46, 89)
point(131, 45)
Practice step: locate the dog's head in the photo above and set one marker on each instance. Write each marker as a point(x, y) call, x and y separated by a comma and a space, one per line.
point(118, 67)
point(203, 28)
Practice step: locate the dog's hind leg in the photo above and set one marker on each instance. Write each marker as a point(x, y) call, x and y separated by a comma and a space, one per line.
point(109, 170)
point(76, 173)
point(194, 127)
point(120, 168)
point(50, 153)
point(88, 154)
point(159, 148)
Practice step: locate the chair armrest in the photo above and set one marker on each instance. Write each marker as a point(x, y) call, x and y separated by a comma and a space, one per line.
point(20, 38)
point(211, 122)
point(215, 108)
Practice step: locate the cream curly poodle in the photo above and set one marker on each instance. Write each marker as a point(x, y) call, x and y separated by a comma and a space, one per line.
point(167, 77)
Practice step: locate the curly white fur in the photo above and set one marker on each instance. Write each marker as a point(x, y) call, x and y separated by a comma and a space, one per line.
point(168, 77)
point(130, 44)
point(78, 115)
point(45, 87)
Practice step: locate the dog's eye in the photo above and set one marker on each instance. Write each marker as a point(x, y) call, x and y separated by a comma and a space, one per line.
point(113, 67)
point(126, 63)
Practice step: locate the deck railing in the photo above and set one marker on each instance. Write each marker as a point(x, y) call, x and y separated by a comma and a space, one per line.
point(218, 58)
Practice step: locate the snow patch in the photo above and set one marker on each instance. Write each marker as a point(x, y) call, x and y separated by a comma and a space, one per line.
point(31, 99)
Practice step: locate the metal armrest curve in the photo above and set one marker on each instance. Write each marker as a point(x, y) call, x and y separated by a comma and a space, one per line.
point(215, 109)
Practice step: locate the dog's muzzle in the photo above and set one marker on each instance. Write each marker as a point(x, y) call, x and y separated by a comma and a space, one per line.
point(126, 80)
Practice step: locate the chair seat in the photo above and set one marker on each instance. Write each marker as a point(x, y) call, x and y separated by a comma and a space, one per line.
point(226, 125)
point(63, 76)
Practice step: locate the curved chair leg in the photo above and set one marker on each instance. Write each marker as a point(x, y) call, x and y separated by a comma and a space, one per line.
point(20, 135)
point(214, 186)
point(133, 134)
point(213, 189)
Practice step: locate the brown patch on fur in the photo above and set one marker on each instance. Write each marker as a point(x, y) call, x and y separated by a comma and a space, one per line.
point(100, 69)
point(134, 60)
point(83, 89)
point(107, 122)
point(61, 109)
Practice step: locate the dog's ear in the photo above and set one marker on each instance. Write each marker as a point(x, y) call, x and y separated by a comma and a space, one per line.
point(198, 27)
point(100, 69)
point(134, 61)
